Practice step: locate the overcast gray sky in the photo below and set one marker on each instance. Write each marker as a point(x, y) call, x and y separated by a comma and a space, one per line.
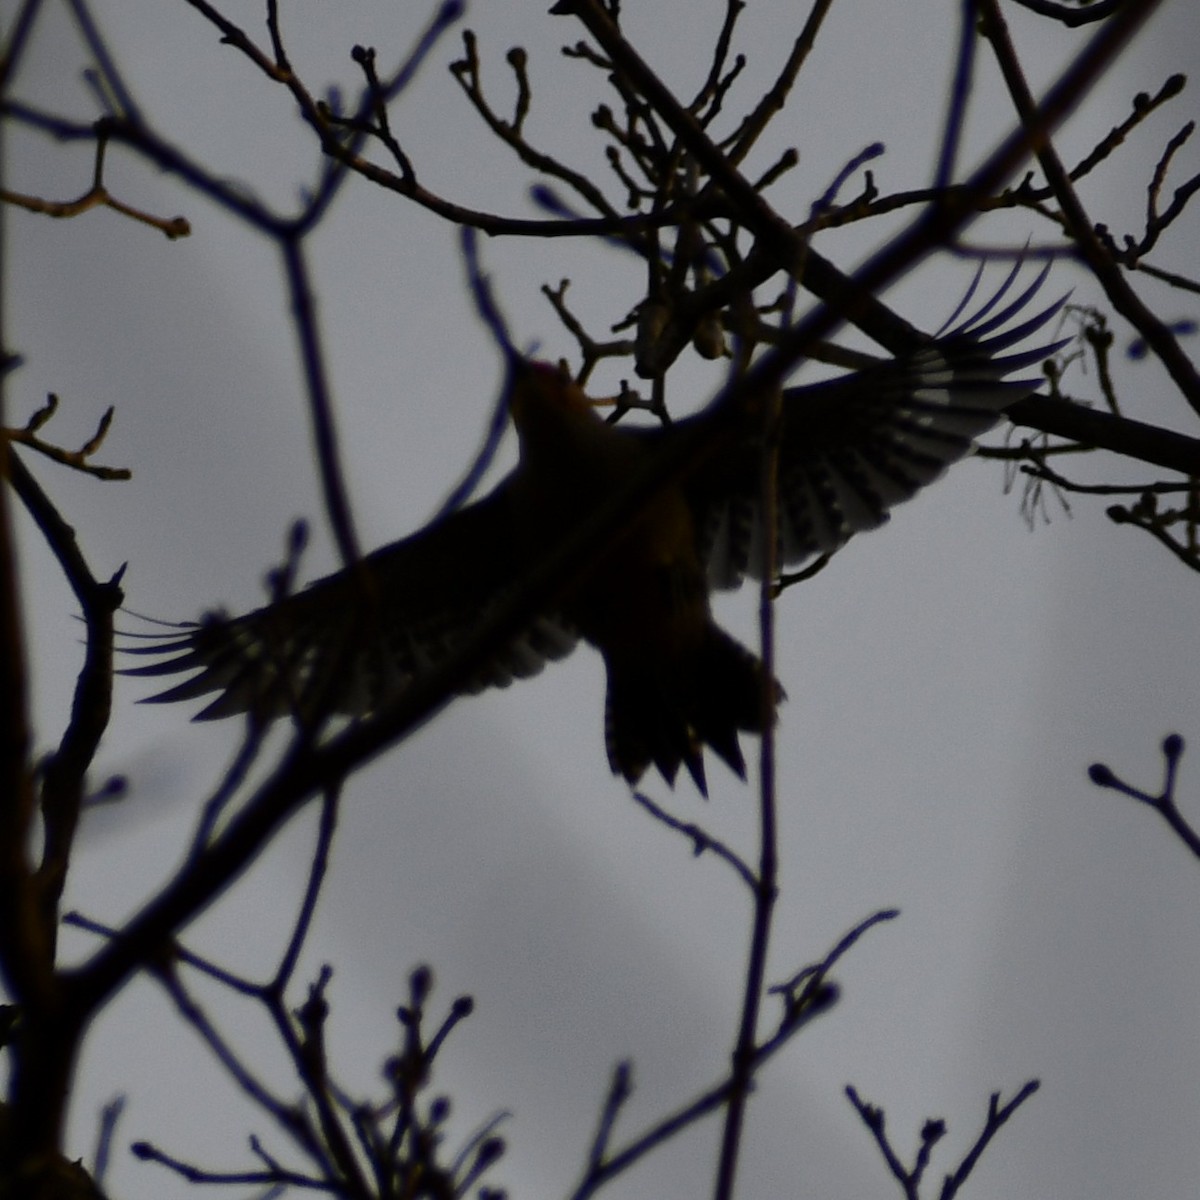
point(950, 677)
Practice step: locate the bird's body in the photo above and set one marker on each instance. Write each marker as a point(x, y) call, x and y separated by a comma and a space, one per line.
point(675, 680)
point(848, 450)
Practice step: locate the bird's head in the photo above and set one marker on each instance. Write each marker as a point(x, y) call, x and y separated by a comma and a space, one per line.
point(540, 391)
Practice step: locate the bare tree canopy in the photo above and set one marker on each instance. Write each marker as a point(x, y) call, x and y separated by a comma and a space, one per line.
point(743, 279)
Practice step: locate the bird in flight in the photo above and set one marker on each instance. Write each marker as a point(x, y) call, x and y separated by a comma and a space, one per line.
point(848, 450)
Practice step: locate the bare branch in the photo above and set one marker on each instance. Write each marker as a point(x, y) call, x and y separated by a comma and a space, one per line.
point(1164, 803)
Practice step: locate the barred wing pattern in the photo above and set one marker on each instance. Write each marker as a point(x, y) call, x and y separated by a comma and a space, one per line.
point(854, 447)
point(352, 641)
point(850, 449)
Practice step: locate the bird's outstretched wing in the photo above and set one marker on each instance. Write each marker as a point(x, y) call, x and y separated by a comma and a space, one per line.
point(853, 447)
point(850, 449)
point(355, 639)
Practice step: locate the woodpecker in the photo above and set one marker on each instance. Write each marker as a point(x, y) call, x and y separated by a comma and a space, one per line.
point(849, 449)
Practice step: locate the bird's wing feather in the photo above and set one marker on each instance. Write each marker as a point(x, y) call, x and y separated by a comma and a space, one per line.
point(852, 447)
point(355, 639)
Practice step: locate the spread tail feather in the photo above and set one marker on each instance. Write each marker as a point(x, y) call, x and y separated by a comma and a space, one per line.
point(663, 712)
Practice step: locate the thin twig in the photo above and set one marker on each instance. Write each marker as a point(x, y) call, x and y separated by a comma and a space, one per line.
point(1164, 803)
point(700, 838)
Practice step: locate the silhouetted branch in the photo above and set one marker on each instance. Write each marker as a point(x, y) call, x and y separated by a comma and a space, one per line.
point(932, 1132)
point(1164, 803)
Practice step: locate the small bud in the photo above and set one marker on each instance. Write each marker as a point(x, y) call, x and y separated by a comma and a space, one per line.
point(420, 984)
point(113, 788)
point(297, 537)
point(709, 338)
point(933, 1130)
point(489, 1151)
